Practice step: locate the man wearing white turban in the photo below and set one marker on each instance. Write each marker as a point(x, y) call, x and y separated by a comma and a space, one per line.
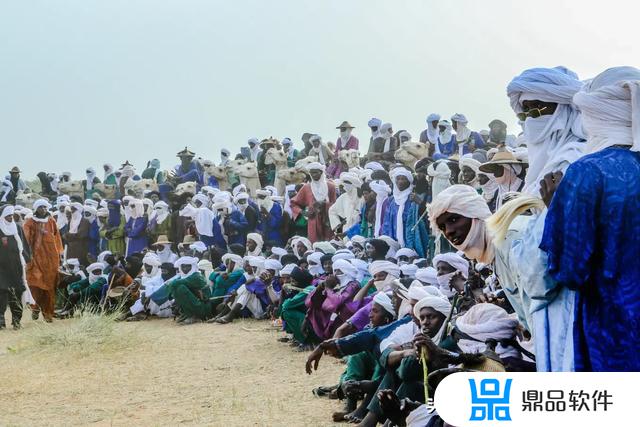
point(313, 201)
point(382, 191)
point(466, 139)
point(400, 210)
point(77, 235)
point(590, 231)
point(543, 100)
point(450, 267)
point(43, 236)
point(446, 145)
point(331, 303)
point(190, 292)
point(469, 169)
point(13, 257)
point(430, 134)
point(345, 212)
point(383, 147)
point(440, 177)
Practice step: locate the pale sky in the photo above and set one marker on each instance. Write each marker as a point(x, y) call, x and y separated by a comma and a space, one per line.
point(83, 82)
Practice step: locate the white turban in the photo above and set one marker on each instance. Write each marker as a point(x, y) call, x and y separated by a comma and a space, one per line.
point(186, 260)
point(152, 259)
point(351, 178)
point(393, 245)
point(385, 302)
point(557, 85)
point(441, 305)
point(41, 202)
point(272, 264)
point(408, 252)
point(347, 268)
point(401, 172)
point(287, 269)
point(304, 241)
point(417, 291)
point(257, 238)
point(427, 275)
point(315, 269)
point(459, 118)
point(198, 246)
point(554, 140)
point(386, 266)
point(235, 259)
point(362, 266)
point(610, 106)
point(374, 166)
point(455, 261)
point(432, 118)
point(315, 165)
point(380, 187)
point(470, 162)
point(342, 254)
point(324, 247)
point(280, 252)
point(483, 322)
point(465, 201)
point(409, 270)
point(374, 123)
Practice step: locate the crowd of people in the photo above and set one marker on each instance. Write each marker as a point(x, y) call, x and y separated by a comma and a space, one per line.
point(462, 251)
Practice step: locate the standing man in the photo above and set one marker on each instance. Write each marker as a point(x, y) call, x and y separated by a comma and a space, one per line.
point(16, 181)
point(13, 255)
point(42, 234)
point(346, 141)
point(292, 153)
point(316, 197)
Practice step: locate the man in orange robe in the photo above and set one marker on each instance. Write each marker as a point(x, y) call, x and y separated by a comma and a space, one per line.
point(43, 236)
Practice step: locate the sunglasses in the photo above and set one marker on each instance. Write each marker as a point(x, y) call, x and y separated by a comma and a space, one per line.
point(534, 113)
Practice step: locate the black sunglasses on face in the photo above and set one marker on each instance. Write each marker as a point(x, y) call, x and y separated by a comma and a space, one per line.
point(534, 113)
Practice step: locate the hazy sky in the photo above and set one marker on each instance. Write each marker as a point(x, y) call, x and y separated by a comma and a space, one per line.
point(88, 81)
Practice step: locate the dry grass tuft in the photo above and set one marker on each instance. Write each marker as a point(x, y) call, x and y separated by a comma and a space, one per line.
point(88, 332)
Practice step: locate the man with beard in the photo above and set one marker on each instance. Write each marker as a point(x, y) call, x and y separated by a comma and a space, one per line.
point(42, 234)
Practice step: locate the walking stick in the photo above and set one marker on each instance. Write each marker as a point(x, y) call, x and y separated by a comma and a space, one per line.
point(106, 295)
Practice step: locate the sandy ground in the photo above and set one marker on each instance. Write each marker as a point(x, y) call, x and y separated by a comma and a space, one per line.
point(231, 375)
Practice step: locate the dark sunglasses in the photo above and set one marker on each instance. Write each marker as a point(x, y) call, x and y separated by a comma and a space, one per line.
point(534, 113)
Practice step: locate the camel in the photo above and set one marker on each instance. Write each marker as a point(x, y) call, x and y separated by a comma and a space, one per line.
point(186, 187)
point(278, 158)
point(107, 191)
point(350, 157)
point(220, 174)
point(139, 187)
point(291, 176)
point(248, 174)
point(26, 199)
point(300, 164)
point(72, 189)
point(410, 152)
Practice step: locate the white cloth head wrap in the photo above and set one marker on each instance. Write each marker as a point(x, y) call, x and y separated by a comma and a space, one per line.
point(236, 259)
point(287, 270)
point(374, 166)
point(455, 261)
point(315, 269)
point(304, 241)
point(186, 260)
point(347, 268)
point(553, 141)
point(408, 252)
point(610, 106)
point(385, 302)
point(409, 270)
point(41, 202)
point(465, 201)
point(487, 321)
point(441, 305)
point(386, 266)
point(259, 243)
point(272, 264)
point(427, 275)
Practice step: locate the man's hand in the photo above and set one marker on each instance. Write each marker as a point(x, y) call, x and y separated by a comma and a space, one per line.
point(314, 360)
point(457, 282)
point(549, 185)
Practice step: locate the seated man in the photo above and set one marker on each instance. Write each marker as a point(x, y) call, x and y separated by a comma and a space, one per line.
point(252, 295)
point(190, 292)
point(85, 291)
point(151, 280)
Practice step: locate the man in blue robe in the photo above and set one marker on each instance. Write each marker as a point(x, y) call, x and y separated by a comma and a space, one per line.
point(188, 170)
point(592, 225)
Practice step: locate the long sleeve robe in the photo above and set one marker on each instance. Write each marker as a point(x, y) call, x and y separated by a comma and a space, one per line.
point(318, 227)
point(44, 239)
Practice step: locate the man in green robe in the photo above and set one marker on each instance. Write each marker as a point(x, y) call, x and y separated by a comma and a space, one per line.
point(190, 292)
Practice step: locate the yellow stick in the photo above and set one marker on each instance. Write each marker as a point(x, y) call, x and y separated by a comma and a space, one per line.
point(425, 374)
